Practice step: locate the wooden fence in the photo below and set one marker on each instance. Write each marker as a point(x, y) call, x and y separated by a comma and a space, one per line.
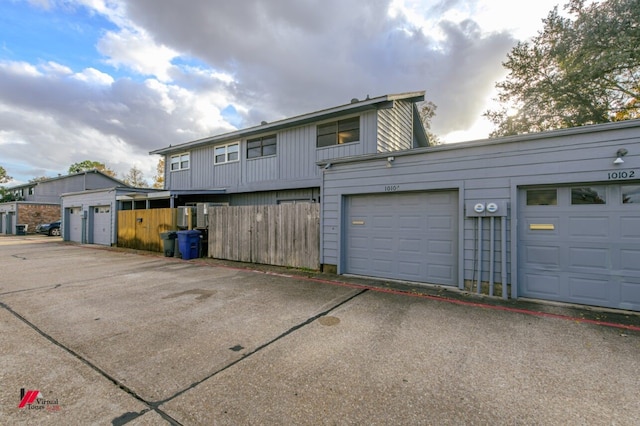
point(285, 234)
point(140, 229)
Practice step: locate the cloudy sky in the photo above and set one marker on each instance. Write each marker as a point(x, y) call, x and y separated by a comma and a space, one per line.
point(111, 80)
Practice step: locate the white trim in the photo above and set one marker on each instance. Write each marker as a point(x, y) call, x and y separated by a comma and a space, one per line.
point(179, 162)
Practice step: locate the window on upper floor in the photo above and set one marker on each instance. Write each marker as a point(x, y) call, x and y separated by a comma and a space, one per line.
point(179, 162)
point(338, 132)
point(261, 147)
point(227, 153)
point(31, 190)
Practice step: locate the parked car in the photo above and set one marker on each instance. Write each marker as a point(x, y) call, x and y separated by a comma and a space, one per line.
point(51, 229)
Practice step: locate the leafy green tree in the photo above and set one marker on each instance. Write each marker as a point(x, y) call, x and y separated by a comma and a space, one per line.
point(38, 179)
point(86, 165)
point(4, 178)
point(581, 69)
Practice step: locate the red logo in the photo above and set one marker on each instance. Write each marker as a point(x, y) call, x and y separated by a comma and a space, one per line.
point(28, 397)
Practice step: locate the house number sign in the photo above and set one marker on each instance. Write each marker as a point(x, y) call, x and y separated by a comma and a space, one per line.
point(391, 188)
point(622, 174)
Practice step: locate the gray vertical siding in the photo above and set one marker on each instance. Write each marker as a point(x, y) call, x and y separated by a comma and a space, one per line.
point(274, 197)
point(481, 171)
point(395, 127)
point(296, 156)
point(201, 169)
point(180, 179)
point(296, 153)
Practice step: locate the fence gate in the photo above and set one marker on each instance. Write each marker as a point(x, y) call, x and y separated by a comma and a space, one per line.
point(284, 234)
point(140, 229)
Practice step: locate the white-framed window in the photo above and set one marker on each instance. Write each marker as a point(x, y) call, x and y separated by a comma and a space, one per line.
point(227, 153)
point(179, 162)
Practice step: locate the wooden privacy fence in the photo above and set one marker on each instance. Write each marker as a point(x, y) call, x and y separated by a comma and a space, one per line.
point(140, 229)
point(284, 234)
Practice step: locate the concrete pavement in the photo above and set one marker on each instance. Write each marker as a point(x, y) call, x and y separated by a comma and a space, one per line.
point(112, 337)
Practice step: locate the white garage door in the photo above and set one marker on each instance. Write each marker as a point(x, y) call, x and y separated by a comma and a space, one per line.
point(75, 224)
point(581, 244)
point(406, 236)
point(101, 225)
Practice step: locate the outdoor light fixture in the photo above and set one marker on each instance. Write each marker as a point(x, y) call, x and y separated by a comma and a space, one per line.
point(389, 161)
point(621, 153)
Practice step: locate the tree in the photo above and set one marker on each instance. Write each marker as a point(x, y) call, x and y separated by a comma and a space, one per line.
point(158, 182)
point(427, 112)
point(38, 179)
point(583, 69)
point(87, 165)
point(135, 178)
point(4, 178)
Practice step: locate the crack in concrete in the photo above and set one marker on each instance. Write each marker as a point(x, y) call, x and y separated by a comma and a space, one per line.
point(154, 406)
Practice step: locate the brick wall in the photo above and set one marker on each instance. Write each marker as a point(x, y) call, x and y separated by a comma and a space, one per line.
point(35, 214)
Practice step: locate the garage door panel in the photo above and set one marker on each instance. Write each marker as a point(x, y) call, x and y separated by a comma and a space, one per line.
point(438, 246)
point(75, 224)
point(630, 295)
point(101, 225)
point(405, 234)
point(582, 227)
point(630, 227)
point(546, 256)
point(541, 285)
point(443, 272)
point(592, 256)
point(589, 258)
point(590, 290)
point(630, 260)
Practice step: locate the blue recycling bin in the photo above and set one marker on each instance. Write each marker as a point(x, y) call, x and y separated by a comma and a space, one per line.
point(189, 244)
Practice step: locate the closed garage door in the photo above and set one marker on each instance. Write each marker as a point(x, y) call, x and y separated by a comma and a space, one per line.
point(101, 225)
point(75, 224)
point(406, 236)
point(581, 244)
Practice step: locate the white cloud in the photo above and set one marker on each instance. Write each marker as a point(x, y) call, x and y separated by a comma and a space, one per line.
point(93, 76)
point(190, 61)
point(137, 51)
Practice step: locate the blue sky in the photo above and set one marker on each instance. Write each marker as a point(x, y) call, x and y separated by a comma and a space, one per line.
point(111, 80)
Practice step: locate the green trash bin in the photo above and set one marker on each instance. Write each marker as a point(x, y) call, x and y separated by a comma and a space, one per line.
point(21, 229)
point(168, 243)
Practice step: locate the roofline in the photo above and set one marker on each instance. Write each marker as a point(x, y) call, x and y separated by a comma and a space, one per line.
point(591, 128)
point(84, 172)
point(109, 189)
point(353, 107)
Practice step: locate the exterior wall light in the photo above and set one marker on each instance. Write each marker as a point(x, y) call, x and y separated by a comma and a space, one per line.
point(621, 153)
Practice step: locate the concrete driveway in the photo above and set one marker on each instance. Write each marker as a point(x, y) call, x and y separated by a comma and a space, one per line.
point(100, 336)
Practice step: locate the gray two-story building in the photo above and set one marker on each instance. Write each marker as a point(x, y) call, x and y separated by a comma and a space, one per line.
point(553, 215)
point(276, 162)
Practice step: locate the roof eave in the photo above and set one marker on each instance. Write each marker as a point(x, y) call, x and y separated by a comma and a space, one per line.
point(380, 102)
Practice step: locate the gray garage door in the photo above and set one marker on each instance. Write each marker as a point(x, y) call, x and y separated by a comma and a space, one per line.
point(75, 224)
point(406, 236)
point(101, 225)
point(581, 244)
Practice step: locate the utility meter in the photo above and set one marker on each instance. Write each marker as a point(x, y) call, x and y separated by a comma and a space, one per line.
point(492, 207)
point(478, 208)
